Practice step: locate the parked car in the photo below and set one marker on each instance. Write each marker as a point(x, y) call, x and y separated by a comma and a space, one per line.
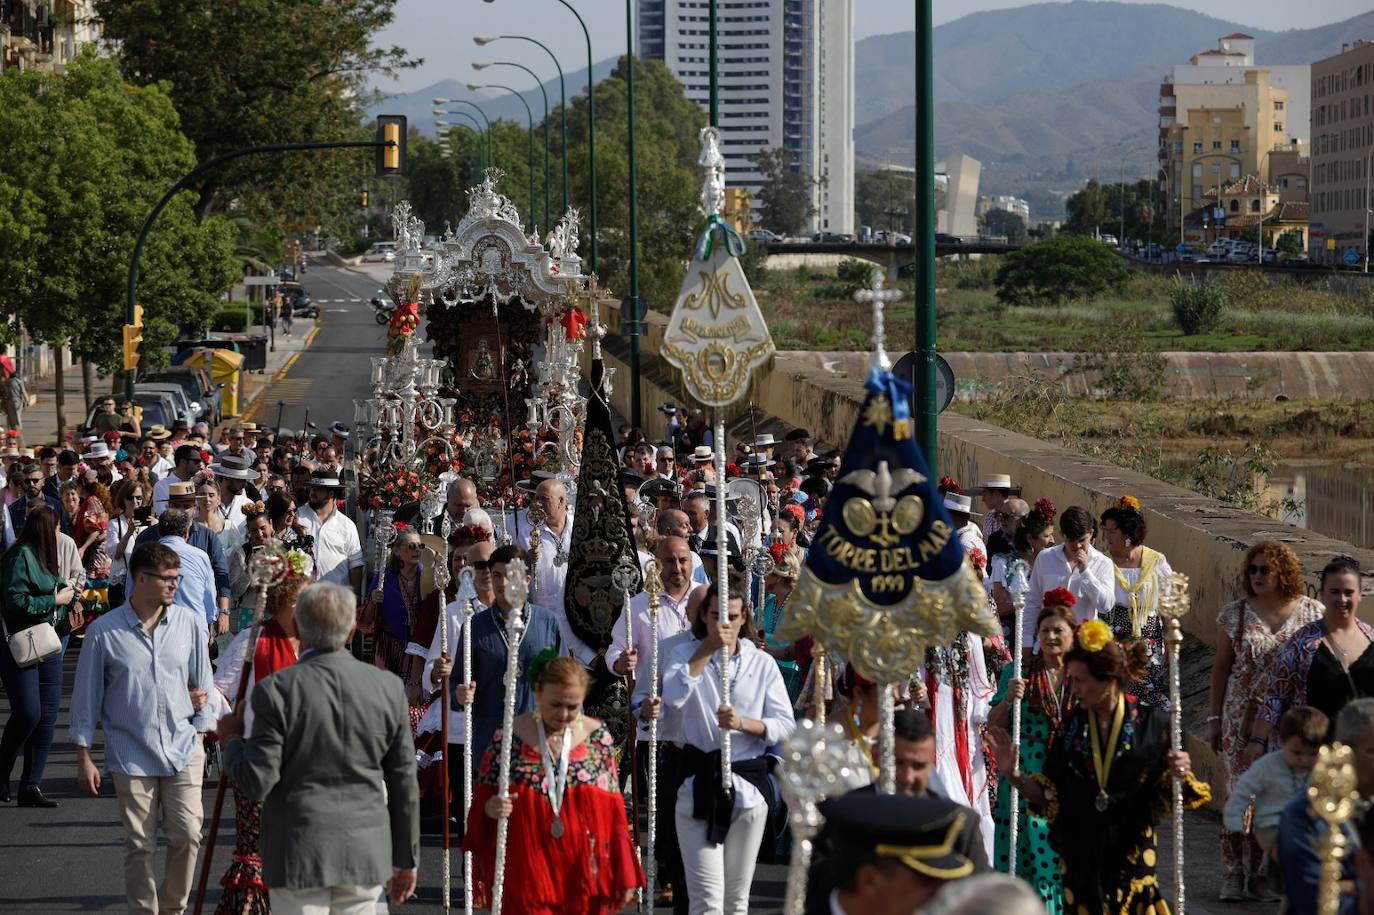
point(764, 236)
point(1107, 239)
point(833, 238)
point(381, 251)
point(196, 383)
point(944, 238)
point(154, 407)
point(298, 300)
point(182, 406)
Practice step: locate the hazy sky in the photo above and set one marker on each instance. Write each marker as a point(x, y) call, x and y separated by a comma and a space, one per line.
point(441, 31)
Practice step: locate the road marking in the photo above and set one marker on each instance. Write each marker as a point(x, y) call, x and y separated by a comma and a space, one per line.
point(309, 339)
point(287, 367)
point(337, 311)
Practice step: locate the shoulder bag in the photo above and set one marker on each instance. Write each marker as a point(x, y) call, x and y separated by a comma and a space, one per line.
point(33, 645)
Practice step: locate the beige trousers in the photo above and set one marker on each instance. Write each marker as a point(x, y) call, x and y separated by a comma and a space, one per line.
point(326, 900)
point(174, 801)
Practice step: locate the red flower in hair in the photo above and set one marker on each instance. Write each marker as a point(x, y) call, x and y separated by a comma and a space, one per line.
point(1044, 508)
point(732, 470)
point(980, 561)
point(400, 525)
point(948, 484)
point(777, 551)
point(474, 532)
point(796, 511)
point(1060, 597)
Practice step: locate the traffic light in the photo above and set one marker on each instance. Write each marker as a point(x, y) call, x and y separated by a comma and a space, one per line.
point(391, 157)
point(133, 339)
point(364, 199)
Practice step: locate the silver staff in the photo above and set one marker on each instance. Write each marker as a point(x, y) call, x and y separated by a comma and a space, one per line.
point(815, 765)
point(623, 579)
point(723, 589)
point(441, 574)
point(1018, 583)
point(1173, 604)
point(653, 584)
point(516, 592)
point(466, 594)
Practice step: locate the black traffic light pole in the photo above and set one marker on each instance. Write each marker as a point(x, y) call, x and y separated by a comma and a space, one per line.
point(191, 176)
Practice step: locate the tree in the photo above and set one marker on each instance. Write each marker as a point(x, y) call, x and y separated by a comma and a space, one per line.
point(1289, 243)
point(784, 196)
point(259, 72)
point(1007, 224)
point(1100, 207)
point(1059, 269)
point(110, 150)
point(883, 199)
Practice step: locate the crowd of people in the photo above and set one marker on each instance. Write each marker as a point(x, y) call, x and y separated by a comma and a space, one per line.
point(140, 546)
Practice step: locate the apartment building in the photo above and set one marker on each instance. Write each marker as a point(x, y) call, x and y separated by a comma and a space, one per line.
point(1342, 140)
point(786, 71)
point(44, 36)
point(1221, 117)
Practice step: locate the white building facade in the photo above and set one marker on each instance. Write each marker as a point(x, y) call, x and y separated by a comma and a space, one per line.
point(786, 72)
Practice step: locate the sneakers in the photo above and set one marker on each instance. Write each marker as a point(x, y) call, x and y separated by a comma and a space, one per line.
point(1233, 888)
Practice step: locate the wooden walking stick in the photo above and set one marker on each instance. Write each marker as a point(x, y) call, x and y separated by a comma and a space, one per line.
point(266, 568)
point(516, 591)
point(1018, 583)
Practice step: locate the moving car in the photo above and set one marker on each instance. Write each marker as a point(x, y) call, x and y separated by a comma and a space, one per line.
point(383, 251)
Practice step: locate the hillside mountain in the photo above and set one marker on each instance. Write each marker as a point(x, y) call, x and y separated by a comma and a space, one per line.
point(1073, 91)
point(418, 106)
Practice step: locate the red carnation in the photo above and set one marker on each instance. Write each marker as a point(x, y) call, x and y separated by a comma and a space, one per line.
point(980, 561)
point(1044, 508)
point(948, 484)
point(1060, 597)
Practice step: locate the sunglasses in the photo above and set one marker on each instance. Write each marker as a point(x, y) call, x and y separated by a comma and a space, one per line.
point(1257, 570)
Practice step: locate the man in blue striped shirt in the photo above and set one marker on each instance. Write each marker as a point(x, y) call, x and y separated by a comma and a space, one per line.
point(143, 677)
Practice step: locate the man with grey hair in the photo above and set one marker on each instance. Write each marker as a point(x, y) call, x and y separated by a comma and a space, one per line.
point(551, 566)
point(329, 732)
point(196, 589)
point(1301, 835)
point(462, 498)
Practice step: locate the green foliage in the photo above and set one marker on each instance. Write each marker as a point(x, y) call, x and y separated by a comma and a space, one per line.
point(1197, 305)
point(1126, 368)
point(883, 200)
point(784, 197)
point(980, 273)
point(258, 72)
point(1057, 270)
point(107, 152)
point(855, 274)
point(1289, 243)
point(1100, 207)
point(437, 186)
point(1010, 225)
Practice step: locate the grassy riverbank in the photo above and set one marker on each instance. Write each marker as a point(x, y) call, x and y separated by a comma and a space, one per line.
point(810, 309)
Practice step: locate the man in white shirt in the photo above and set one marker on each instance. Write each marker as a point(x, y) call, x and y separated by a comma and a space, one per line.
point(232, 473)
point(551, 568)
point(673, 523)
point(1076, 565)
point(187, 461)
point(624, 657)
point(338, 552)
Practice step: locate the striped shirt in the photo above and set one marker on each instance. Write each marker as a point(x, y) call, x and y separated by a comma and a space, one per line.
point(136, 687)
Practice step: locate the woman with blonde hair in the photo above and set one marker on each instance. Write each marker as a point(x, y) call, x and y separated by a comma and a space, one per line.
point(1250, 630)
point(777, 588)
point(568, 846)
point(89, 528)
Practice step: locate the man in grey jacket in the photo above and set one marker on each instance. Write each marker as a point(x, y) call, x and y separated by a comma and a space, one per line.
point(328, 733)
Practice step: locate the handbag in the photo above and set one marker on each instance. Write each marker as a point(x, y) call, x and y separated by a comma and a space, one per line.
point(33, 645)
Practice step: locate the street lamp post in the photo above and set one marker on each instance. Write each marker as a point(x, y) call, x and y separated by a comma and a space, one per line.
point(491, 157)
point(591, 128)
point(540, 84)
point(1365, 241)
point(481, 148)
point(634, 214)
point(923, 233)
point(483, 40)
point(529, 133)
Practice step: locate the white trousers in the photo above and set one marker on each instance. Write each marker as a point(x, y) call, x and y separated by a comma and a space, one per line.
point(326, 900)
point(718, 876)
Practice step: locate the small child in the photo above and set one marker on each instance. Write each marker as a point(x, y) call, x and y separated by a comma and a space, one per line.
point(1275, 778)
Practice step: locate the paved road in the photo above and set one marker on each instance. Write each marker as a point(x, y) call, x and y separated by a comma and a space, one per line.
point(70, 859)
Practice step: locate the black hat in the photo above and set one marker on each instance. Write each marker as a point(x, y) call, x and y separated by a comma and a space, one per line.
point(796, 435)
point(630, 476)
point(339, 429)
point(821, 464)
point(659, 488)
point(920, 832)
point(325, 479)
point(667, 408)
point(536, 477)
point(709, 548)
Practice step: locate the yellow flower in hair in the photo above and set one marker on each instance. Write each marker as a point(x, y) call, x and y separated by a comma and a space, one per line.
point(1094, 635)
point(1130, 503)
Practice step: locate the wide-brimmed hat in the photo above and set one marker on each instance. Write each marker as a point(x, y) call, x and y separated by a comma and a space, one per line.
point(158, 432)
point(324, 479)
point(759, 459)
point(702, 454)
point(710, 491)
point(659, 488)
point(536, 477)
point(233, 467)
point(997, 481)
point(667, 408)
point(765, 440)
point(98, 452)
point(181, 488)
point(339, 429)
point(250, 428)
point(957, 502)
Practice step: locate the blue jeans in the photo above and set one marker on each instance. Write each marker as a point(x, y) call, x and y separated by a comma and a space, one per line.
point(35, 693)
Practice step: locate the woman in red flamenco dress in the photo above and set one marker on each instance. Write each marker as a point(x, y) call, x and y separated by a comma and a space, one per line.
point(568, 845)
